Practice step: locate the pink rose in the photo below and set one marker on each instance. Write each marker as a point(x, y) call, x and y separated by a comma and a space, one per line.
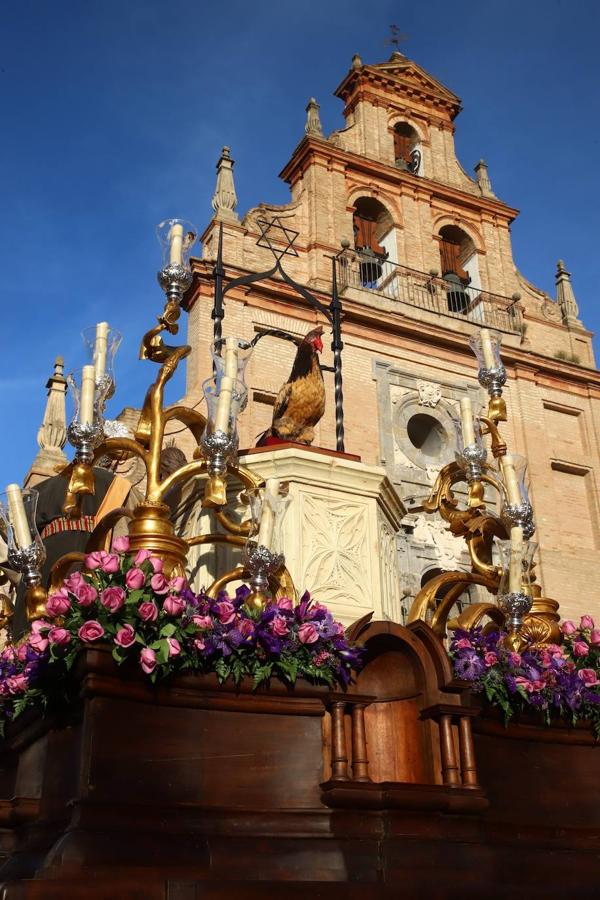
point(159, 583)
point(203, 621)
point(464, 644)
point(587, 622)
point(545, 658)
point(515, 659)
point(580, 648)
point(225, 611)
point(17, 684)
point(284, 603)
point(39, 625)
point(588, 676)
point(595, 637)
point(22, 652)
point(148, 611)
point(177, 584)
point(141, 556)
point(38, 642)
point(174, 646)
point(339, 628)
point(86, 594)
point(555, 650)
point(246, 628)
point(73, 581)
point(91, 631)
point(568, 627)
point(490, 658)
point(93, 560)
point(113, 598)
point(279, 626)
point(121, 544)
point(110, 563)
point(58, 604)
point(156, 563)
point(59, 636)
point(199, 644)
point(307, 633)
point(148, 660)
point(125, 636)
point(135, 579)
point(173, 606)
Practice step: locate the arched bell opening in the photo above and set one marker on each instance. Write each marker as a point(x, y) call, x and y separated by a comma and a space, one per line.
point(458, 260)
point(374, 239)
point(407, 148)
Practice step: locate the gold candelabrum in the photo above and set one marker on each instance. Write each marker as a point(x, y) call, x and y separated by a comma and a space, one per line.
point(520, 607)
point(214, 459)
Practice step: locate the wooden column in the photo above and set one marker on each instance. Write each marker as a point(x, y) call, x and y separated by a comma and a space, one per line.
point(467, 753)
point(450, 772)
point(360, 762)
point(339, 754)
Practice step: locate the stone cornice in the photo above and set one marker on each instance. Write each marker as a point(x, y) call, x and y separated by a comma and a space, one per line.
point(311, 150)
point(395, 79)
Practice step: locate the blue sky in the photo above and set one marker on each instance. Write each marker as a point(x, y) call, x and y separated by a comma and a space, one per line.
point(114, 114)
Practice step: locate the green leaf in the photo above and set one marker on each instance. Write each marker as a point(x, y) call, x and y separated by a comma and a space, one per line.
point(168, 630)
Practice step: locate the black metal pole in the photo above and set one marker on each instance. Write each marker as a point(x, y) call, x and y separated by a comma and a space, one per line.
point(337, 346)
point(218, 311)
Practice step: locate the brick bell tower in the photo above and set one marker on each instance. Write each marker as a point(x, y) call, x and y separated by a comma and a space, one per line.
point(423, 258)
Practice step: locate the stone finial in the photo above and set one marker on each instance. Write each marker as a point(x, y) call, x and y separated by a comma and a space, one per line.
point(483, 179)
point(356, 61)
point(224, 201)
point(313, 120)
point(565, 297)
point(52, 435)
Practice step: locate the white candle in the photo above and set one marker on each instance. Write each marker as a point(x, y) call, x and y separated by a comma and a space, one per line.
point(466, 421)
point(88, 387)
point(267, 516)
point(486, 349)
point(18, 516)
point(513, 492)
point(100, 349)
point(231, 358)
point(515, 570)
point(224, 405)
point(176, 242)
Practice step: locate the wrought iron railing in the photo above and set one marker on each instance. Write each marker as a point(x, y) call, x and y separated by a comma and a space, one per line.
point(443, 296)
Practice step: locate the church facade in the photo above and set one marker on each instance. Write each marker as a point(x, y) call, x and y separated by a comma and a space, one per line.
point(423, 258)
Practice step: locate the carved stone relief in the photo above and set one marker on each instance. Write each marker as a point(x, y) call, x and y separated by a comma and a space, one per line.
point(430, 394)
point(336, 554)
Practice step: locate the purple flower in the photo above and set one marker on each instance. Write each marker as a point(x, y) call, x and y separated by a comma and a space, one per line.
point(469, 667)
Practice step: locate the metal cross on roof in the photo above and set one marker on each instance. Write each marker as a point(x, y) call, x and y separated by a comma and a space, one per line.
point(273, 230)
point(396, 37)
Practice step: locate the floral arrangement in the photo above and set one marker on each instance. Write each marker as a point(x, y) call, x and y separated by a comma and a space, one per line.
point(561, 681)
point(126, 601)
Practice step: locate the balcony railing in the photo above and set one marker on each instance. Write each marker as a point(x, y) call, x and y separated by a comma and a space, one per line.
point(441, 296)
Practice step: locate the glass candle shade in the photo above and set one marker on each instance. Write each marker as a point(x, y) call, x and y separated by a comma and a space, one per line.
point(101, 343)
point(220, 438)
point(176, 238)
point(86, 430)
point(230, 357)
point(486, 346)
point(470, 456)
point(516, 560)
point(516, 506)
point(26, 551)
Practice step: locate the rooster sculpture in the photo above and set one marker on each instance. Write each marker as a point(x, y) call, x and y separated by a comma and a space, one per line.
point(300, 403)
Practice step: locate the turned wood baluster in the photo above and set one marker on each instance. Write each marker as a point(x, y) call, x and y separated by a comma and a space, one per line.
point(450, 773)
point(360, 762)
point(339, 754)
point(467, 752)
